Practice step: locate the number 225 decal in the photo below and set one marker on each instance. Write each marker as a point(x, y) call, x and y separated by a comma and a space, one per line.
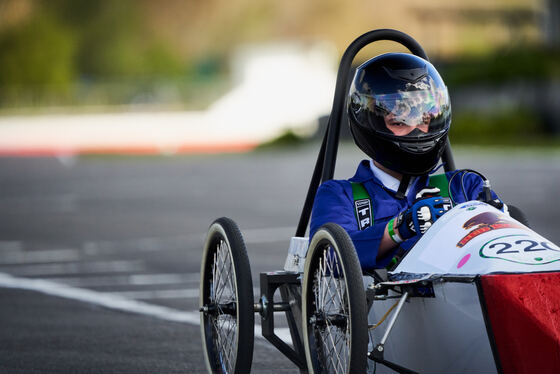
point(522, 249)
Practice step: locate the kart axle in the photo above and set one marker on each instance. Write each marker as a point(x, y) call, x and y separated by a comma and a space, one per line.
point(322, 320)
point(263, 305)
point(214, 309)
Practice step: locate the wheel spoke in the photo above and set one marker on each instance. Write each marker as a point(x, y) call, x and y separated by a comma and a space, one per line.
point(331, 302)
point(337, 276)
point(223, 272)
point(226, 300)
point(223, 291)
point(334, 304)
point(224, 329)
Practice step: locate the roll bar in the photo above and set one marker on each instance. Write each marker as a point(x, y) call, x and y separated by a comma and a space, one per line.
point(326, 160)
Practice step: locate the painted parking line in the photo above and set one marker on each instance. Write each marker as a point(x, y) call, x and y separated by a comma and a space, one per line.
point(116, 280)
point(10, 245)
point(181, 293)
point(113, 301)
point(42, 256)
point(151, 244)
point(104, 299)
point(12, 252)
point(91, 267)
point(143, 244)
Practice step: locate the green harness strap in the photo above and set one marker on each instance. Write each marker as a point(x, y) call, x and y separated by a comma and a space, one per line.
point(362, 200)
point(364, 213)
point(362, 206)
point(359, 191)
point(440, 181)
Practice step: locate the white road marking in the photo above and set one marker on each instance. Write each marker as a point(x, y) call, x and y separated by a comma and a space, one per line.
point(118, 266)
point(150, 244)
point(11, 252)
point(185, 293)
point(9, 245)
point(145, 244)
point(42, 256)
point(143, 279)
point(115, 302)
point(104, 299)
point(182, 293)
point(62, 202)
point(126, 280)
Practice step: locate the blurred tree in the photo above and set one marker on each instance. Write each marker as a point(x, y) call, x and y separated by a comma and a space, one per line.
point(37, 56)
point(115, 50)
point(55, 44)
point(531, 63)
point(113, 41)
point(509, 126)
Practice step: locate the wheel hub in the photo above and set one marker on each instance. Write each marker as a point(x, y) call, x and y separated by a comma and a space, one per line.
point(216, 309)
point(321, 319)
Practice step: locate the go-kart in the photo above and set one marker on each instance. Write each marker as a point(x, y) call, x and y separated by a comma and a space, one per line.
point(478, 293)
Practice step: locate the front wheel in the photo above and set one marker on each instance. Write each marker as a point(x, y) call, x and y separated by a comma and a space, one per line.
point(226, 301)
point(334, 305)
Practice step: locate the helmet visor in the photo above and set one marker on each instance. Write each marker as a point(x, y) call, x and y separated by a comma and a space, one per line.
point(406, 113)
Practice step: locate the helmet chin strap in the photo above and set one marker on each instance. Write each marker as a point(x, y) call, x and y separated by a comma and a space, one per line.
point(401, 192)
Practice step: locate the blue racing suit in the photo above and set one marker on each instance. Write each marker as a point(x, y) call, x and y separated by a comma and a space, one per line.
point(334, 202)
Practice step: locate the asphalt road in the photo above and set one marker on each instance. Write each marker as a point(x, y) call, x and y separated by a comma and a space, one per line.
point(122, 233)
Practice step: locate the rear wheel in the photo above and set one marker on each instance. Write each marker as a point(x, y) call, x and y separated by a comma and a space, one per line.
point(334, 305)
point(226, 300)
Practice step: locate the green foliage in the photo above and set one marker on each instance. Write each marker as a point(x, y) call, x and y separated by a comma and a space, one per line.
point(108, 43)
point(506, 127)
point(286, 139)
point(67, 48)
point(529, 63)
point(38, 54)
point(162, 61)
point(74, 51)
point(113, 41)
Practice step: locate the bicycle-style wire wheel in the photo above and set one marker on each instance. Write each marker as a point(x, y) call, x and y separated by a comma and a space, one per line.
point(226, 301)
point(334, 305)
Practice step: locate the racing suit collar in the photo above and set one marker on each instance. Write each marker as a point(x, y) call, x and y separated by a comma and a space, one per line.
point(388, 180)
point(364, 174)
point(367, 171)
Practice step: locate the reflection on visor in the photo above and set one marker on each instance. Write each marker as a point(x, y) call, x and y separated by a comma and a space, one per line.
point(404, 112)
point(411, 108)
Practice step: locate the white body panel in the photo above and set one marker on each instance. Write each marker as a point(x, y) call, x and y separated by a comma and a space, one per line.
point(295, 261)
point(499, 243)
point(447, 333)
point(444, 334)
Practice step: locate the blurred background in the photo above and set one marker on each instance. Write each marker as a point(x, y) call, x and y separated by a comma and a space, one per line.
point(127, 127)
point(236, 73)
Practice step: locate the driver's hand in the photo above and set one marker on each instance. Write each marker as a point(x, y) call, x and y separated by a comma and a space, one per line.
point(425, 210)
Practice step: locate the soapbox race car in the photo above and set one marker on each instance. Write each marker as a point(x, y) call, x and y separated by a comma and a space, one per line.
point(478, 293)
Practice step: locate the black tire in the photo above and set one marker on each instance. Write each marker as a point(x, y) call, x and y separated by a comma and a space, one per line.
point(518, 214)
point(226, 301)
point(334, 313)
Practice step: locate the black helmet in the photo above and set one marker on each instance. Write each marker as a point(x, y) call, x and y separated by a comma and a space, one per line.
point(399, 112)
